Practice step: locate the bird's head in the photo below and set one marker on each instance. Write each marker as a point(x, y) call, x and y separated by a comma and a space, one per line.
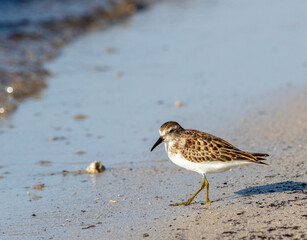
point(169, 131)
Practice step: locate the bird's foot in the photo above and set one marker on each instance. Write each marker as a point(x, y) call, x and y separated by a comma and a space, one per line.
point(185, 203)
point(206, 202)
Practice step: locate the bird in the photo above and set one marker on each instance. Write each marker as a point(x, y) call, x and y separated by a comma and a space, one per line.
point(202, 153)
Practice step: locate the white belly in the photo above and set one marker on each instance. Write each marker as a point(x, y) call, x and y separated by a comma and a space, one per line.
point(205, 167)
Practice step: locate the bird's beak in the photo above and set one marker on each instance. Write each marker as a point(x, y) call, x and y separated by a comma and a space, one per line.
point(157, 143)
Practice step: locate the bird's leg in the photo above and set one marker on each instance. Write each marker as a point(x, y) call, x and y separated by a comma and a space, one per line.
point(188, 202)
point(207, 189)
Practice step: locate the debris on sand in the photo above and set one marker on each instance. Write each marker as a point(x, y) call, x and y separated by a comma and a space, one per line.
point(178, 104)
point(35, 197)
point(118, 74)
point(38, 187)
point(88, 227)
point(79, 117)
point(52, 139)
point(64, 172)
point(109, 50)
point(95, 167)
point(44, 162)
point(80, 153)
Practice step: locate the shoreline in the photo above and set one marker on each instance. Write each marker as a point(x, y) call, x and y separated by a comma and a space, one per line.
point(26, 45)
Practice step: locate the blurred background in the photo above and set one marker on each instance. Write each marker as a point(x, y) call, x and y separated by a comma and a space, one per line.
point(32, 32)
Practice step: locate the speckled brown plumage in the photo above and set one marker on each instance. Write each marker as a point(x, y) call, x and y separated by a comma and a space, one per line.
point(203, 147)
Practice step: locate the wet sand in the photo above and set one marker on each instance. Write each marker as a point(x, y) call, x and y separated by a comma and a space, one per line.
point(131, 201)
point(255, 108)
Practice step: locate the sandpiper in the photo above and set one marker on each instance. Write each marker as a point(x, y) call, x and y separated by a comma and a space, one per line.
point(203, 153)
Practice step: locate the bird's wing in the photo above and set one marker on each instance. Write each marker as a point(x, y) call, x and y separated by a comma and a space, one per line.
point(203, 147)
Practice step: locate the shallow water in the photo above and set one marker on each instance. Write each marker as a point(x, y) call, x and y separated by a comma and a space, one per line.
point(18, 11)
point(221, 59)
point(31, 36)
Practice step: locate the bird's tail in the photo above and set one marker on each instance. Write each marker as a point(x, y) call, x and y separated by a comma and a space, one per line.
point(260, 157)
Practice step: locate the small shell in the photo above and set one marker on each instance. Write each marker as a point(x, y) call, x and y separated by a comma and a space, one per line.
point(95, 167)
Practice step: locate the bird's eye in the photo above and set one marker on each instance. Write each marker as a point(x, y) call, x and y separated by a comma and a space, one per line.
point(172, 130)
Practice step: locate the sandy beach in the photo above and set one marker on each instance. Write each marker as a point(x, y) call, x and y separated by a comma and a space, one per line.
point(131, 201)
point(110, 91)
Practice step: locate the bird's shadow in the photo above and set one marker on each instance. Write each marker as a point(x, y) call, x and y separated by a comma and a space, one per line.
point(287, 186)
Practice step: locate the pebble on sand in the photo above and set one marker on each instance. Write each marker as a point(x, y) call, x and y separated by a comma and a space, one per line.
point(80, 153)
point(95, 167)
point(118, 75)
point(109, 50)
point(35, 197)
point(178, 104)
point(44, 162)
point(52, 139)
point(38, 187)
point(79, 117)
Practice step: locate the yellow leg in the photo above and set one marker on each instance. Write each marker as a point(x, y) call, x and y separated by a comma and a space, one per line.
point(203, 184)
point(207, 189)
